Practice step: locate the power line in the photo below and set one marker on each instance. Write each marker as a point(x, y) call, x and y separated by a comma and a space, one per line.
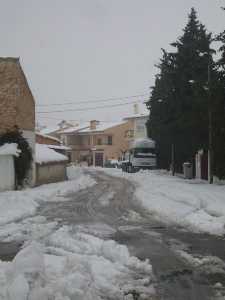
point(87, 108)
point(92, 101)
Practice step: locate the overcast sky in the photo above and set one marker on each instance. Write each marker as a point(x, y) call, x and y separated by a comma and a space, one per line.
point(75, 50)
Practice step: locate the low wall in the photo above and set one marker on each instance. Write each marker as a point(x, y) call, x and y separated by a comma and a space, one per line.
point(49, 173)
point(7, 173)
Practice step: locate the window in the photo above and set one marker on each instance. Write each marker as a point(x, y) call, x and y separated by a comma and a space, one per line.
point(109, 140)
point(99, 141)
point(144, 152)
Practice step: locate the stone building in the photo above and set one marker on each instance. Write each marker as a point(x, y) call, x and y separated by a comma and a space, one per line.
point(17, 105)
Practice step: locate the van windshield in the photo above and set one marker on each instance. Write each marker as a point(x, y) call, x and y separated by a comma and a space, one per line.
point(144, 152)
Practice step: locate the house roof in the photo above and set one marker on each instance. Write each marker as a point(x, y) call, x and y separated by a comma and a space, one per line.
point(137, 116)
point(75, 128)
point(57, 128)
point(49, 130)
point(48, 136)
point(46, 155)
point(85, 128)
point(58, 147)
point(102, 126)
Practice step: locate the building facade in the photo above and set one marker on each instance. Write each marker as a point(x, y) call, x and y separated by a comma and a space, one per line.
point(17, 105)
point(97, 142)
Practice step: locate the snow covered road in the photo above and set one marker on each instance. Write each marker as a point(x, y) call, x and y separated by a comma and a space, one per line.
point(95, 239)
point(192, 204)
point(69, 252)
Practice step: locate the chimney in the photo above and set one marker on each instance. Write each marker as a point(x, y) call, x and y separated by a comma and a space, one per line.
point(93, 124)
point(62, 124)
point(136, 109)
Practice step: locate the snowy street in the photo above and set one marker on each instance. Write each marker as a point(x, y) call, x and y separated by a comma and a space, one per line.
point(110, 235)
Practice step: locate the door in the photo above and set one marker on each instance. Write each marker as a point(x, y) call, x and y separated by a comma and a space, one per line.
point(99, 159)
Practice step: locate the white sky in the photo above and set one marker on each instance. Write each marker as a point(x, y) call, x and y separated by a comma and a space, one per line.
point(76, 50)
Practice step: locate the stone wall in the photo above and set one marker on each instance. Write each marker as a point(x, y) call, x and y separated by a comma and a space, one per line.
point(49, 173)
point(17, 106)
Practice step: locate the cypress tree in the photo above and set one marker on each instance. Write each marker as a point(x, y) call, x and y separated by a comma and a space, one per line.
point(182, 86)
point(219, 112)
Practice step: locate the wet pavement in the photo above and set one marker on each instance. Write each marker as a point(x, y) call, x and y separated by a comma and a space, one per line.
point(8, 250)
point(112, 202)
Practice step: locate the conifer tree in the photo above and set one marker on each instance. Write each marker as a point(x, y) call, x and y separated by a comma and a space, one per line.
point(182, 87)
point(219, 112)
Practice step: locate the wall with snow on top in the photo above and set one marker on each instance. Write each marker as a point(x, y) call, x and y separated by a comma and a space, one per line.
point(7, 170)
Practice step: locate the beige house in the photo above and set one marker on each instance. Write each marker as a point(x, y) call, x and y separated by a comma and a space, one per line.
point(137, 124)
point(17, 106)
point(97, 142)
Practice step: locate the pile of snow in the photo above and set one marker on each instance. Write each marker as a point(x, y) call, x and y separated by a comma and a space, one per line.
point(75, 265)
point(193, 204)
point(16, 205)
point(34, 228)
point(60, 191)
point(44, 155)
point(10, 149)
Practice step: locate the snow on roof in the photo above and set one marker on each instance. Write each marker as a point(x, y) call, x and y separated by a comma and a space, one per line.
point(46, 155)
point(136, 116)
point(49, 130)
point(57, 128)
point(58, 147)
point(10, 149)
point(48, 136)
point(102, 126)
point(75, 128)
point(143, 143)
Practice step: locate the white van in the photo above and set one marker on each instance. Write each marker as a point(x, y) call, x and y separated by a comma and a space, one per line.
point(141, 155)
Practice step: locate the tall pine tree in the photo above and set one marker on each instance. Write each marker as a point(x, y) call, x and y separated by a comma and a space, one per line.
point(182, 86)
point(219, 112)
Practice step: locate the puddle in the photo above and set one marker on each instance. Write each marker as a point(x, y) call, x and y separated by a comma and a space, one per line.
point(9, 250)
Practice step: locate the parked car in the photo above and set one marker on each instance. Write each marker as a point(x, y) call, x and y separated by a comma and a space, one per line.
point(111, 163)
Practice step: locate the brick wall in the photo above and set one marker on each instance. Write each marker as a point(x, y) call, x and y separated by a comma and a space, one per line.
point(17, 106)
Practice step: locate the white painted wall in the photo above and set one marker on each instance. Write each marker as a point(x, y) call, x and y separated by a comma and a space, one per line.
point(140, 130)
point(7, 173)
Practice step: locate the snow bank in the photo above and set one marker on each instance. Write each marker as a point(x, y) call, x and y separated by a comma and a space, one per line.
point(45, 155)
point(103, 268)
point(194, 204)
point(60, 191)
point(74, 266)
point(24, 276)
point(15, 205)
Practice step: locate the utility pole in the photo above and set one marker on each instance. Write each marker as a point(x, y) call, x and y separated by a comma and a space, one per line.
point(210, 151)
point(172, 159)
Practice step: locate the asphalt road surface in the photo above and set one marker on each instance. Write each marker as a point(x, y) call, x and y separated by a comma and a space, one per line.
point(112, 202)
